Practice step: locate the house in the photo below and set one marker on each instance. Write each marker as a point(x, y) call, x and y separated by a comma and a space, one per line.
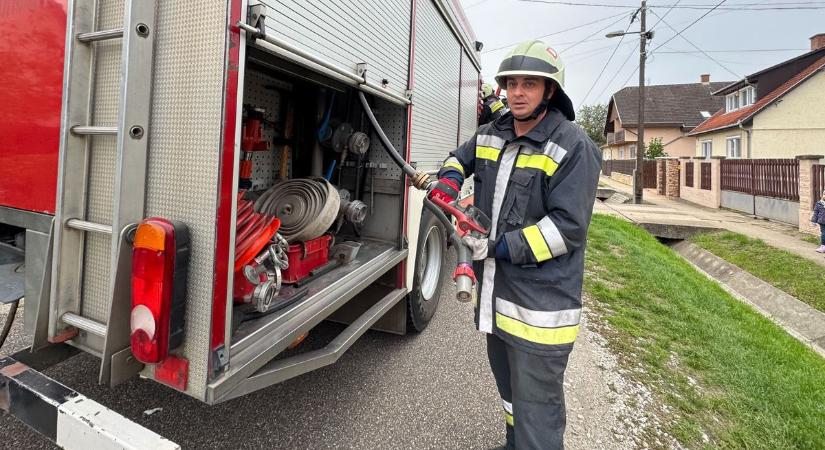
point(778, 112)
point(671, 111)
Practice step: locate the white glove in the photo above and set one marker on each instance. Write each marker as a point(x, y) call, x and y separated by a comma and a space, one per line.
point(477, 246)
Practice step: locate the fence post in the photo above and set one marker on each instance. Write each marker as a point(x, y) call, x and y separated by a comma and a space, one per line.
point(716, 179)
point(806, 194)
point(673, 175)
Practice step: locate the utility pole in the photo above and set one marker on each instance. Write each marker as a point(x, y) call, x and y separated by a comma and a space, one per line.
point(638, 179)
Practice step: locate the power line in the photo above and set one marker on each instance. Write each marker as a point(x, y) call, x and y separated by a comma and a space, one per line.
point(689, 25)
point(697, 48)
point(616, 73)
point(612, 54)
point(663, 17)
point(560, 31)
point(747, 50)
point(591, 35)
point(734, 7)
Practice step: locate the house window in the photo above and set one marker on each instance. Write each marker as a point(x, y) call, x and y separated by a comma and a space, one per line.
point(740, 99)
point(732, 101)
point(621, 153)
point(707, 149)
point(734, 145)
point(633, 151)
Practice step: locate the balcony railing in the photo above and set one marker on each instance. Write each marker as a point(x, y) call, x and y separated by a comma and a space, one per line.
point(616, 138)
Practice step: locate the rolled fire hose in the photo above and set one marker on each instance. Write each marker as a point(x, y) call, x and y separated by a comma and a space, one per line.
point(307, 207)
point(420, 180)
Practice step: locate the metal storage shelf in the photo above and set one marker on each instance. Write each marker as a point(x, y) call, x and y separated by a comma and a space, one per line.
point(258, 341)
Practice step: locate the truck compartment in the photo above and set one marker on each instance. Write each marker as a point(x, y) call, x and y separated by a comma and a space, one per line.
point(298, 125)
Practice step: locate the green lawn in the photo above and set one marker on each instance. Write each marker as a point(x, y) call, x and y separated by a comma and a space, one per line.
point(811, 238)
point(800, 277)
point(724, 369)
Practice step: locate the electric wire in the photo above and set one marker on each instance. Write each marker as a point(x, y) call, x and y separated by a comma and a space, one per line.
point(501, 47)
point(612, 54)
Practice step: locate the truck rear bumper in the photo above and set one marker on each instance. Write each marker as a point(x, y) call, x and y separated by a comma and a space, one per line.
point(66, 417)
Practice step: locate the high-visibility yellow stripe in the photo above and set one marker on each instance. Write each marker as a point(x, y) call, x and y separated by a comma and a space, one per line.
point(496, 106)
point(487, 153)
point(454, 165)
point(541, 162)
point(508, 418)
point(546, 336)
point(537, 244)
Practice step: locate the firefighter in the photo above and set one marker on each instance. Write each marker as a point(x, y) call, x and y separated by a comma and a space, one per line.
point(535, 176)
point(492, 107)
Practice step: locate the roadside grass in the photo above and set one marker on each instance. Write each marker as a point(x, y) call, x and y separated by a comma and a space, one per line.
point(731, 378)
point(799, 277)
point(811, 238)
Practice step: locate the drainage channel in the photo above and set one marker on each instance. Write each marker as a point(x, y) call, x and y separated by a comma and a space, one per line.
point(797, 318)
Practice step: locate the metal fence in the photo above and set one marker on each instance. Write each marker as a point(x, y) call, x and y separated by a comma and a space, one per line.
point(689, 174)
point(649, 169)
point(817, 183)
point(627, 166)
point(777, 178)
point(704, 171)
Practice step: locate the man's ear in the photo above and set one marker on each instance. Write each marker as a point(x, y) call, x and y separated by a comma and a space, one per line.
point(550, 87)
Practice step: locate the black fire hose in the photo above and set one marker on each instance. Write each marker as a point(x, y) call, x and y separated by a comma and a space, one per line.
point(419, 179)
point(9, 321)
point(463, 282)
point(463, 275)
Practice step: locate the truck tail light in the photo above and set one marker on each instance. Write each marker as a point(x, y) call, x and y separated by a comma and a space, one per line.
point(160, 257)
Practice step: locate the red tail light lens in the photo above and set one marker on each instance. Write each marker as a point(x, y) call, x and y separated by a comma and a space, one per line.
point(159, 264)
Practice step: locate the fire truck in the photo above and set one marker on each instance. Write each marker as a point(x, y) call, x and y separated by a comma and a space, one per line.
point(188, 189)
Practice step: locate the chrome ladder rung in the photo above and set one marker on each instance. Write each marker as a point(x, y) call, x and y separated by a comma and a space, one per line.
point(84, 130)
point(85, 324)
point(84, 225)
point(101, 35)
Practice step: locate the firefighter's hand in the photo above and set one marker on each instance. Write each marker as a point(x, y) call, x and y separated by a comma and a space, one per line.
point(479, 247)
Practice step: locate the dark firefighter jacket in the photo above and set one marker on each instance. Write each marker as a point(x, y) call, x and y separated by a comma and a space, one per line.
point(492, 109)
point(538, 190)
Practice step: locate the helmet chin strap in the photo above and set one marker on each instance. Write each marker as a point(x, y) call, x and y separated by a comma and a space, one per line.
point(536, 112)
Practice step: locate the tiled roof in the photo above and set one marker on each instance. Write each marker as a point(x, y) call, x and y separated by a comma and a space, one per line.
point(672, 104)
point(725, 120)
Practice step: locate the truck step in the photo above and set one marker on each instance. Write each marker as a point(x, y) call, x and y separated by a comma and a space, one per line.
point(85, 324)
point(94, 36)
point(84, 225)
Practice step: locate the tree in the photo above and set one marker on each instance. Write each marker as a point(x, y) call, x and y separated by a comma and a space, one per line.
point(592, 118)
point(655, 149)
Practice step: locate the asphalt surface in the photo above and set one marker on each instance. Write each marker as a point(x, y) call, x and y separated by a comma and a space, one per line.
point(428, 391)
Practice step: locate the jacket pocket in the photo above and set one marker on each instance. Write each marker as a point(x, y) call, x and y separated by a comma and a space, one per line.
point(518, 198)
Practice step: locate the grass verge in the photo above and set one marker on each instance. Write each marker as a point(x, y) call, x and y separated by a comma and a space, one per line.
point(731, 378)
point(798, 276)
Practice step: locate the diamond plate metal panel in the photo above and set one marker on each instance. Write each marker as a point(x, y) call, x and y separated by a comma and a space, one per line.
point(185, 136)
point(435, 93)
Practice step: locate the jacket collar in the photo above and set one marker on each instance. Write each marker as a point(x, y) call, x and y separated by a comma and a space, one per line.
point(538, 135)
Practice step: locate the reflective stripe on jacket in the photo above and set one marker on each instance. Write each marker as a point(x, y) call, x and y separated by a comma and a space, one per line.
point(538, 190)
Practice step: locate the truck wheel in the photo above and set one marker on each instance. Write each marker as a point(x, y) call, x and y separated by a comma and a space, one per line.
point(429, 267)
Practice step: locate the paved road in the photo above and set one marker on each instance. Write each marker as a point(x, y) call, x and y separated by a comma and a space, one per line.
point(432, 390)
point(427, 391)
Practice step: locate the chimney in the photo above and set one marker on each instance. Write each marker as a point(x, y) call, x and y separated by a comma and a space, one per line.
point(817, 41)
point(705, 77)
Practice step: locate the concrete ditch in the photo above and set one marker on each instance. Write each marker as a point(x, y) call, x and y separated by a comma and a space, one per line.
point(799, 319)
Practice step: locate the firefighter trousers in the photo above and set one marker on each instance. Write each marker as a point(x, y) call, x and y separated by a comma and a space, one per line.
point(532, 394)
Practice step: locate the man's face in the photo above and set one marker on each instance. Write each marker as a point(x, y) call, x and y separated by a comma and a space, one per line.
point(524, 93)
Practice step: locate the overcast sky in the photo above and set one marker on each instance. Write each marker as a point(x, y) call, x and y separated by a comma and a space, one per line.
point(501, 23)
